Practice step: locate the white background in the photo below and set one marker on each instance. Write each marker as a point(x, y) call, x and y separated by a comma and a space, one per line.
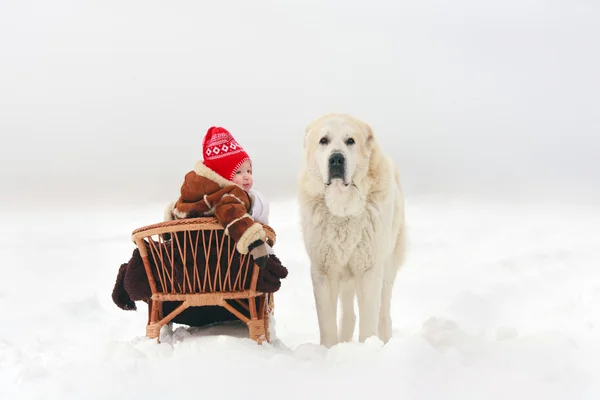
point(110, 100)
point(489, 108)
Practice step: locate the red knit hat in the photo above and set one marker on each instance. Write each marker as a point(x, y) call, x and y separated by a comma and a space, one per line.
point(222, 153)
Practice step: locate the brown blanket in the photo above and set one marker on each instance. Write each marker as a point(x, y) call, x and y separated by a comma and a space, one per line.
point(132, 283)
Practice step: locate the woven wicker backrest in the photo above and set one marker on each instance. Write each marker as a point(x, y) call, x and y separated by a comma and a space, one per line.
point(192, 256)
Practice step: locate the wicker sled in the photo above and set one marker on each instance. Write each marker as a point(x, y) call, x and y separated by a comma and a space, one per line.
point(215, 274)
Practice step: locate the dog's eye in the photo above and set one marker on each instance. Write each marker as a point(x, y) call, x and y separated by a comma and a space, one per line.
point(324, 140)
point(350, 141)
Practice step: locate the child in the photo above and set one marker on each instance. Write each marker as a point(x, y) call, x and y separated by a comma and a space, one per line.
point(221, 185)
point(218, 186)
point(259, 204)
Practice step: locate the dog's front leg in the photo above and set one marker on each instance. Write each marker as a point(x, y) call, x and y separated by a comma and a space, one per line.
point(348, 320)
point(368, 295)
point(326, 291)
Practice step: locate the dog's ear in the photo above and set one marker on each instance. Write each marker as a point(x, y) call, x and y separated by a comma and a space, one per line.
point(304, 140)
point(370, 136)
point(306, 131)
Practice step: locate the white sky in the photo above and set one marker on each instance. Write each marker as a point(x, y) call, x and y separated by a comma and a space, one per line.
point(111, 99)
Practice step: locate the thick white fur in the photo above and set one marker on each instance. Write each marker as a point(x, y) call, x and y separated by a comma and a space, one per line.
point(354, 233)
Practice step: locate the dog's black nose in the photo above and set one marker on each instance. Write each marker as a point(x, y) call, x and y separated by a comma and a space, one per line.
point(337, 160)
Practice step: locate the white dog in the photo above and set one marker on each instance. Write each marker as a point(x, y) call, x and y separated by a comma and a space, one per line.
point(352, 213)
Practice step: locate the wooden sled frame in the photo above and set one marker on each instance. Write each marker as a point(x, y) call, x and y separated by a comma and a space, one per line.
point(211, 289)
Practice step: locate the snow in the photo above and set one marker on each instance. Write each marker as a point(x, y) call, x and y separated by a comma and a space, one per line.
point(497, 300)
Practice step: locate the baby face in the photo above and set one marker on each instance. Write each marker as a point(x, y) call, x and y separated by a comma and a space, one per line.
point(243, 176)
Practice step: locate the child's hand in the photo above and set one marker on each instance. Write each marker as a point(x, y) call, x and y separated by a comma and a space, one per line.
point(269, 279)
point(258, 250)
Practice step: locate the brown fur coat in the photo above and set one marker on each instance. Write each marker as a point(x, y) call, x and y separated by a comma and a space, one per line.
point(205, 193)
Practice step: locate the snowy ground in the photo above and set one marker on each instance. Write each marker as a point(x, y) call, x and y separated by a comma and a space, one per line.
point(495, 302)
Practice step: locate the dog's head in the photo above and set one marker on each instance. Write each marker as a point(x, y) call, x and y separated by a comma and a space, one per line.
point(337, 150)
